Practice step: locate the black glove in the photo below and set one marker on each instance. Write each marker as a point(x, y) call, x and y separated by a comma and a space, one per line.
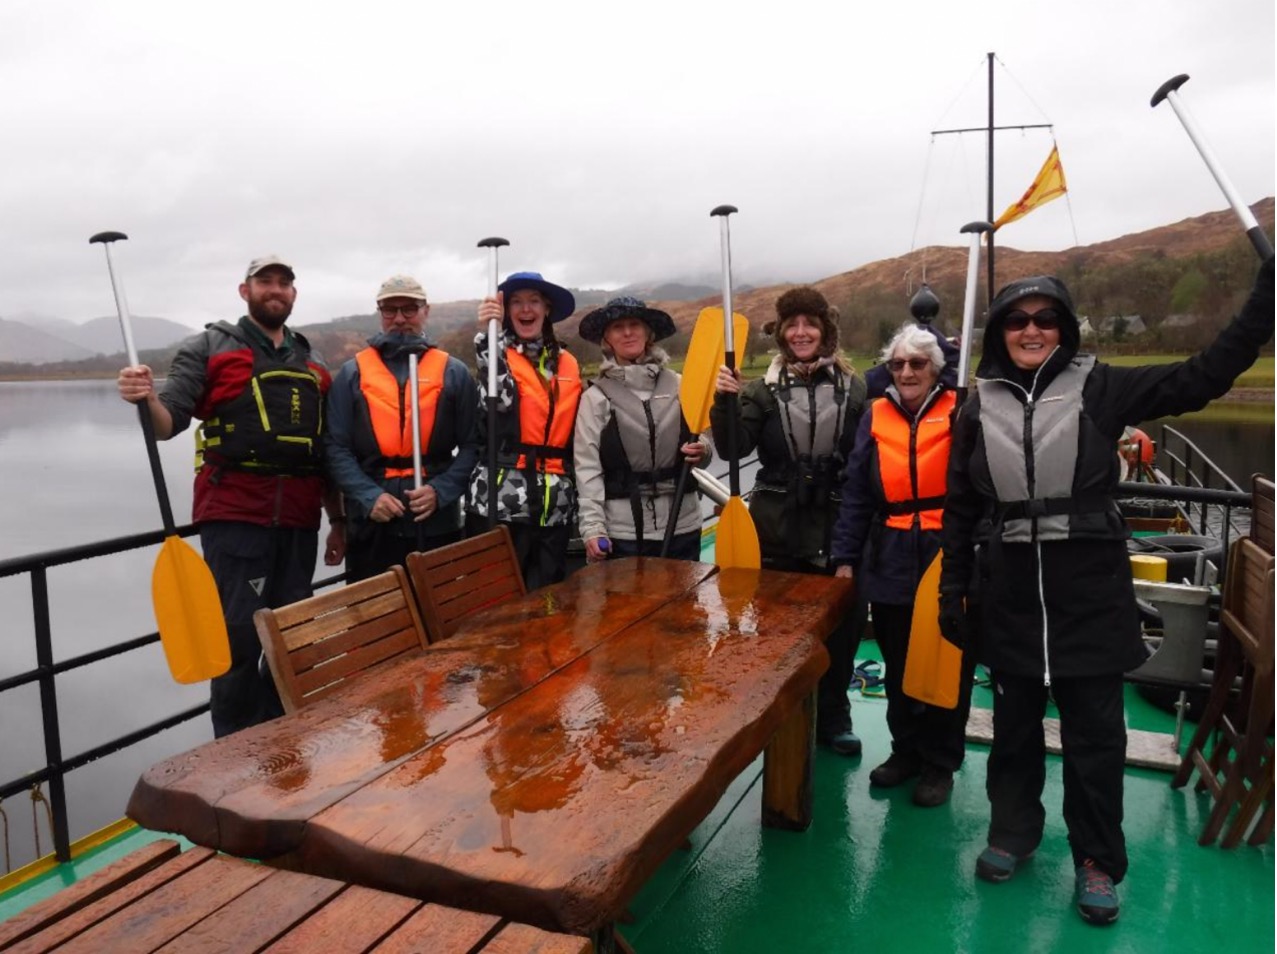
point(953, 619)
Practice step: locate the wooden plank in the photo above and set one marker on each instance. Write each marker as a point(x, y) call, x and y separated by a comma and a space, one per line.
point(352, 923)
point(159, 916)
point(258, 916)
point(787, 768)
point(355, 661)
point(251, 793)
point(526, 939)
point(440, 930)
point(555, 808)
point(351, 617)
point(85, 892)
point(396, 625)
point(330, 601)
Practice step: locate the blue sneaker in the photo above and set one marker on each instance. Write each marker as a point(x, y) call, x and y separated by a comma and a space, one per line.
point(997, 865)
point(1095, 894)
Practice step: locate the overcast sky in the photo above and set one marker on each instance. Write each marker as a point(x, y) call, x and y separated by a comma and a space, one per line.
point(362, 139)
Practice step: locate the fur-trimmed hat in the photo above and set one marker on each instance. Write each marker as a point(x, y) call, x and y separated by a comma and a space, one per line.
point(805, 300)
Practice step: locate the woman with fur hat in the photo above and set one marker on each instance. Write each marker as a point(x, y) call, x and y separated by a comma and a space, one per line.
point(1031, 479)
point(801, 417)
point(631, 439)
point(538, 390)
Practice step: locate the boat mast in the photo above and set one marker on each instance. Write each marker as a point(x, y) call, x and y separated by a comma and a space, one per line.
point(989, 130)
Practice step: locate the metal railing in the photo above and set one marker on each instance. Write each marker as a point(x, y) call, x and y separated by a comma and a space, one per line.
point(1184, 464)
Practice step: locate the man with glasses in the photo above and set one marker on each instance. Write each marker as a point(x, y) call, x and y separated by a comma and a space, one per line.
point(369, 443)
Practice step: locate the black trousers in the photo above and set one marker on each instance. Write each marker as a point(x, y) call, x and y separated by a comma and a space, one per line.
point(934, 735)
point(373, 548)
point(833, 706)
point(542, 551)
point(255, 567)
point(1093, 737)
point(683, 546)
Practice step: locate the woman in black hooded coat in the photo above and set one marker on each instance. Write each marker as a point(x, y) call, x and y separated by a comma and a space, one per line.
point(1048, 598)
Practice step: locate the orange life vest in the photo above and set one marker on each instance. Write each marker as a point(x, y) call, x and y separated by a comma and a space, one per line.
point(547, 411)
point(912, 460)
point(390, 409)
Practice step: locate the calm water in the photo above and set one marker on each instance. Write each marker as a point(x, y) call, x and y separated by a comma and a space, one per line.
point(73, 469)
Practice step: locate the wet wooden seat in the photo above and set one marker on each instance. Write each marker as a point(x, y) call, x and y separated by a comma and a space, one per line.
point(453, 581)
point(160, 897)
point(1239, 769)
point(317, 645)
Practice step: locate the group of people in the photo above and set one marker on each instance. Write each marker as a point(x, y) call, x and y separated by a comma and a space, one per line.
point(867, 477)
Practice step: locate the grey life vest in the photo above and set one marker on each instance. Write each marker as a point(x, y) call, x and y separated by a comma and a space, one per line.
point(812, 417)
point(1031, 449)
point(650, 430)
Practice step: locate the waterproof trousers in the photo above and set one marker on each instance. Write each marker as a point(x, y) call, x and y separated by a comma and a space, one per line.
point(373, 548)
point(933, 735)
point(255, 567)
point(1093, 739)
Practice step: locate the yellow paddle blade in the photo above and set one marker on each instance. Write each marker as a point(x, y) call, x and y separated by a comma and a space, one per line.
point(736, 539)
point(188, 614)
point(706, 352)
point(933, 665)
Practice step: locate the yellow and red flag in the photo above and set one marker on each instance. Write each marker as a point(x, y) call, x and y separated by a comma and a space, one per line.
point(1049, 184)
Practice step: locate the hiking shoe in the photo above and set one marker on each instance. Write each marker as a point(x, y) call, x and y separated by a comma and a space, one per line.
point(844, 743)
point(933, 788)
point(997, 865)
point(897, 769)
point(1095, 895)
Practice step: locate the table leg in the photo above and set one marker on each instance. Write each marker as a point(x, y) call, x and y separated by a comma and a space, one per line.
point(607, 941)
point(787, 767)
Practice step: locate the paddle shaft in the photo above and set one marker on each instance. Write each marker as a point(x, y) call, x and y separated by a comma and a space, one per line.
point(729, 341)
point(414, 381)
point(1169, 91)
point(143, 411)
point(676, 506)
point(494, 336)
point(976, 230)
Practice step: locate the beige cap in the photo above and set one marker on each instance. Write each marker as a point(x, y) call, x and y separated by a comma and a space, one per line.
point(401, 286)
point(268, 261)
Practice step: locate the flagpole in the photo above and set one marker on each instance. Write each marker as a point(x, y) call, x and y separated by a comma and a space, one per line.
point(989, 192)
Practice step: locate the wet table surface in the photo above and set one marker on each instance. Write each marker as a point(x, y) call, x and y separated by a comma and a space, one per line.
point(540, 764)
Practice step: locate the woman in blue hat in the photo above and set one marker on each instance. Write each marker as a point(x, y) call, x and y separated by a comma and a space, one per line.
point(538, 390)
point(631, 440)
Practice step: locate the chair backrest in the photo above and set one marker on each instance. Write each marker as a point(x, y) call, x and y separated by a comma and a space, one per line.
point(1247, 608)
point(315, 645)
point(1262, 511)
point(455, 580)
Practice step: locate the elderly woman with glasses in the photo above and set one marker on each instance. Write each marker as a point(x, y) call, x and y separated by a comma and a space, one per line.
point(1031, 480)
point(631, 440)
point(887, 534)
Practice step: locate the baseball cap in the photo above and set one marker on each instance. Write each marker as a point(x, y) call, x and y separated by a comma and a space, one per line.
point(401, 286)
point(267, 261)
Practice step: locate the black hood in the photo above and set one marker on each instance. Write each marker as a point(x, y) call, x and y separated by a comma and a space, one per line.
point(994, 359)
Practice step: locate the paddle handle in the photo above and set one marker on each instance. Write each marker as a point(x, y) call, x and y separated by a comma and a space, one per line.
point(143, 411)
point(676, 506)
point(1169, 91)
point(494, 334)
point(976, 230)
point(729, 340)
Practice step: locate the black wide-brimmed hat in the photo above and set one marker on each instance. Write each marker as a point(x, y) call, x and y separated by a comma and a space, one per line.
point(595, 323)
point(562, 302)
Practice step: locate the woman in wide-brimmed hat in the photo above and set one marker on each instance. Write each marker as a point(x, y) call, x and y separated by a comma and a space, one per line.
point(801, 418)
point(538, 390)
point(631, 440)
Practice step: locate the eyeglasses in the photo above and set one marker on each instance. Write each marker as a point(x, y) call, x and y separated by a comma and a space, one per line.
point(408, 311)
point(1047, 319)
point(896, 365)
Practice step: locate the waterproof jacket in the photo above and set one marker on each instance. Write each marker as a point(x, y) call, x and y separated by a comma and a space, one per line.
point(1062, 604)
point(610, 480)
point(794, 501)
point(232, 374)
point(365, 467)
point(538, 392)
point(902, 458)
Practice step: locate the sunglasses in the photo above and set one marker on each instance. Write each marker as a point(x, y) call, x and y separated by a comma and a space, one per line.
point(408, 311)
point(1047, 319)
point(896, 365)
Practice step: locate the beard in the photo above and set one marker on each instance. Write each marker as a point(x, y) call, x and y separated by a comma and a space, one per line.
point(268, 313)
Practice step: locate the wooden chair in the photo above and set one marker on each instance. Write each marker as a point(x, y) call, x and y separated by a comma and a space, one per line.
point(1262, 511)
point(455, 580)
point(1239, 771)
point(315, 645)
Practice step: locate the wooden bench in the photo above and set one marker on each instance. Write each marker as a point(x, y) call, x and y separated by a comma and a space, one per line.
point(161, 897)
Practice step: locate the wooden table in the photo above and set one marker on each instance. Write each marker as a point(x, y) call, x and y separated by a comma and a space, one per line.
point(543, 762)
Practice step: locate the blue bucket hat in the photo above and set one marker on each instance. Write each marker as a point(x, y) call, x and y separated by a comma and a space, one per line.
point(562, 304)
point(595, 323)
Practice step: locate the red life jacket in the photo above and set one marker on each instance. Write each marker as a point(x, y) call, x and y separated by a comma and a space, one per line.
point(390, 408)
point(913, 457)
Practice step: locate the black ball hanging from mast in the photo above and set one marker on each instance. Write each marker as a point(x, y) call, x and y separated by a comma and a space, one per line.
point(924, 305)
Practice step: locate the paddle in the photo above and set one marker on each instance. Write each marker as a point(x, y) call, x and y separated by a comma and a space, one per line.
point(736, 540)
point(933, 665)
point(188, 611)
point(706, 352)
point(414, 389)
point(1169, 91)
point(494, 333)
